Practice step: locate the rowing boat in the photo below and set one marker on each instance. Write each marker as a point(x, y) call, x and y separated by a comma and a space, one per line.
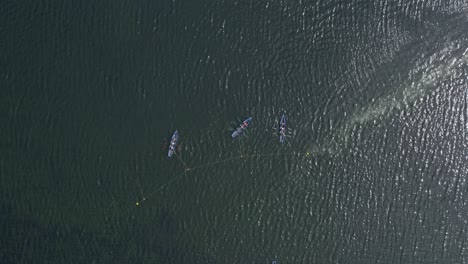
point(172, 146)
point(282, 129)
point(242, 127)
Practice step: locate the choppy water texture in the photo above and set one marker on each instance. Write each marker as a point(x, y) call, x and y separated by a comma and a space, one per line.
point(375, 92)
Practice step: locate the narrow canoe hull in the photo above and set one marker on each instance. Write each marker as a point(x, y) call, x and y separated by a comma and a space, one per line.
point(282, 129)
point(173, 144)
point(242, 127)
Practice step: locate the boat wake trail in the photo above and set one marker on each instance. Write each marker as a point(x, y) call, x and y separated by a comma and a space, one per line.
point(425, 78)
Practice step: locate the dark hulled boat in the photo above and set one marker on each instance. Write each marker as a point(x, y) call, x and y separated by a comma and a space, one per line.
point(242, 127)
point(282, 129)
point(173, 144)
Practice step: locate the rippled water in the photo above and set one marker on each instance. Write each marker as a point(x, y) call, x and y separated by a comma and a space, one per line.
point(373, 169)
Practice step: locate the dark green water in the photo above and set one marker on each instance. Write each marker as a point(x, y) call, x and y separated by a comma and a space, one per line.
point(375, 93)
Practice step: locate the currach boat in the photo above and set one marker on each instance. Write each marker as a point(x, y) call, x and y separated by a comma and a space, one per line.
point(172, 146)
point(242, 127)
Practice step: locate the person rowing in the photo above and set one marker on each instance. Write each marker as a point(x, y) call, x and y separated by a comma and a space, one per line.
point(241, 128)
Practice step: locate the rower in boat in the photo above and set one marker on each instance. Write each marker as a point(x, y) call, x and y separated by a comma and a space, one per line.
point(242, 127)
point(282, 129)
point(172, 146)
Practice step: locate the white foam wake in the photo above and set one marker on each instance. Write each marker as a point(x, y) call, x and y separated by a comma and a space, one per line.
point(424, 77)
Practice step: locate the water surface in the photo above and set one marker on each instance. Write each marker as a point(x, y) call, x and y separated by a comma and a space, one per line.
point(373, 169)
